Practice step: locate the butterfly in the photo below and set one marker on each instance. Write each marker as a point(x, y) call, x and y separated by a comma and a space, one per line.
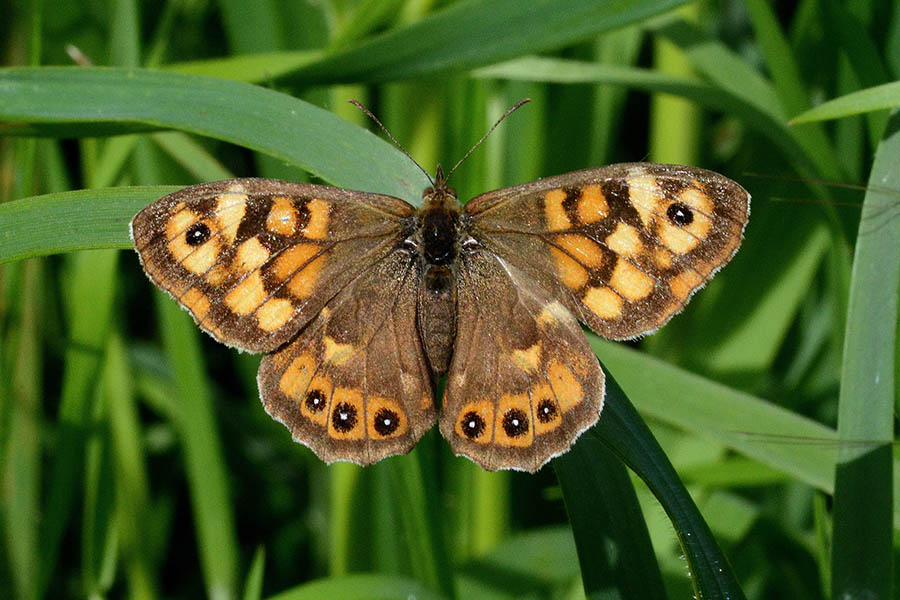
point(362, 301)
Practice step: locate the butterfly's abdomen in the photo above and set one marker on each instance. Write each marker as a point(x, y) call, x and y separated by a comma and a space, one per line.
point(437, 315)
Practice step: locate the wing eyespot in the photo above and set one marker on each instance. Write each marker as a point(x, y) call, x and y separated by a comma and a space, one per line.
point(344, 417)
point(386, 422)
point(315, 401)
point(197, 234)
point(515, 423)
point(473, 425)
point(680, 214)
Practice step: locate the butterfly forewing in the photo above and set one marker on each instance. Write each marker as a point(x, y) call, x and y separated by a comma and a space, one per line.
point(623, 246)
point(523, 382)
point(355, 384)
point(253, 260)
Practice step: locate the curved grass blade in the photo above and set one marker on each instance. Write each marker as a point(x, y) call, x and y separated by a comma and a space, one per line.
point(67, 221)
point(90, 102)
point(879, 97)
point(476, 33)
point(611, 535)
point(861, 551)
point(625, 433)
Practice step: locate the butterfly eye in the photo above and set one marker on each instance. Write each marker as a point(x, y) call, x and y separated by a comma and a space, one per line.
point(473, 425)
point(680, 214)
point(197, 234)
point(470, 243)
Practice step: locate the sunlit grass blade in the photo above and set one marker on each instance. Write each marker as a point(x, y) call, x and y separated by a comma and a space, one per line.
point(611, 535)
point(879, 97)
point(625, 433)
point(254, 583)
point(862, 542)
point(475, 33)
point(66, 102)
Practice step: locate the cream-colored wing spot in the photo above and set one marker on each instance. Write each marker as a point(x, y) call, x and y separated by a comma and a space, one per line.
point(684, 283)
point(565, 385)
point(247, 295)
point(335, 352)
point(630, 282)
point(555, 212)
point(197, 302)
point(513, 426)
point(250, 255)
point(583, 249)
point(528, 359)
point(319, 217)
point(347, 415)
point(625, 240)
point(644, 194)
point(592, 205)
point(282, 218)
point(572, 274)
point(299, 265)
point(274, 313)
point(230, 209)
point(603, 302)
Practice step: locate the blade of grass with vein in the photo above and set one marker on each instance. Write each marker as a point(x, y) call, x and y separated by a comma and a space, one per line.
point(861, 550)
point(756, 428)
point(204, 461)
point(625, 433)
point(614, 547)
point(474, 33)
point(92, 219)
point(879, 97)
point(90, 102)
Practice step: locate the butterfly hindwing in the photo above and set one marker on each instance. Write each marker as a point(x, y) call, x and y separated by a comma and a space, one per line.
point(622, 246)
point(523, 382)
point(253, 260)
point(354, 385)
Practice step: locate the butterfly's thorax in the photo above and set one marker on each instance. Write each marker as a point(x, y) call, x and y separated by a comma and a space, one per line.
point(438, 232)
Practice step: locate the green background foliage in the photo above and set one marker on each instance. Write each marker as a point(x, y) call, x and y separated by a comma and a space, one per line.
point(135, 459)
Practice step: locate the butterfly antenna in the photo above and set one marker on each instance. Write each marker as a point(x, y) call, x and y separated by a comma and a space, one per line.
point(510, 111)
point(368, 113)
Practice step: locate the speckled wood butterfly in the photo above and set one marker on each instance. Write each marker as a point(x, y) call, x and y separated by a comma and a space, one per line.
point(361, 300)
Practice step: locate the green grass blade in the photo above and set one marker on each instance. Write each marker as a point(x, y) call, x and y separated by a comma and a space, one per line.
point(862, 543)
point(92, 219)
point(20, 472)
point(88, 296)
point(66, 102)
point(474, 33)
point(614, 547)
point(254, 583)
point(360, 587)
point(880, 97)
point(205, 464)
point(625, 433)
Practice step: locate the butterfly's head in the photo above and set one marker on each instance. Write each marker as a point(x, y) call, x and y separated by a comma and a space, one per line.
point(438, 195)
